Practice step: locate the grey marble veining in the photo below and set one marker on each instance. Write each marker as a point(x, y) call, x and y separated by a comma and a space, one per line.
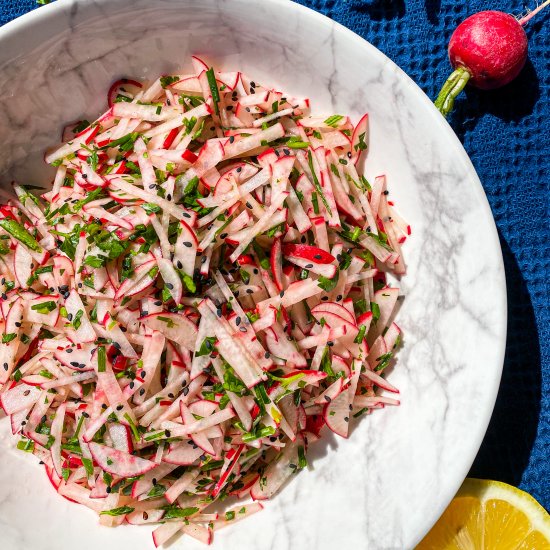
point(385, 486)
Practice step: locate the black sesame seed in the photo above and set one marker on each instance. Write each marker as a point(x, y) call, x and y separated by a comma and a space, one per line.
point(282, 293)
point(223, 235)
point(187, 244)
point(327, 399)
point(186, 215)
point(317, 256)
point(185, 390)
point(229, 107)
point(324, 298)
point(243, 329)
point(286, 152)
point(17, 324)
point(167, 433)
point(169, 197)
point(238, 321)
point(179, 265)
point(143, 374)
point(231, 139)
point(152, 186)
point(119, 407)
point(69, 350)
point(308, 266)
point(346, 418)
point(154, 481)
point(132, 384)
point(85, 176)
point(267, 355)
point(169, 286)
point(256, 271)
point(239, 169)
point(303, 239)
point(142, 391)
point(330, 343)
point(103, 406)
point(339, 297)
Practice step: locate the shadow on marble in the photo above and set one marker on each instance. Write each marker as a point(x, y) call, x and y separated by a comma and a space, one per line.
point(511, 103)
point(506, 448)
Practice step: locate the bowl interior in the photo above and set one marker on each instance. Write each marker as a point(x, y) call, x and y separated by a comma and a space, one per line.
point(390, 481)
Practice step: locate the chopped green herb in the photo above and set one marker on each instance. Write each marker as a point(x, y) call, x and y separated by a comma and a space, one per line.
point(333, 120)
point(211, 77)
point(375, 308)
point(101, 359)
point(121, 511)
point(16, 230)
point(316, 182)
point(44, 307)
point(207, 346)
point(166, 81)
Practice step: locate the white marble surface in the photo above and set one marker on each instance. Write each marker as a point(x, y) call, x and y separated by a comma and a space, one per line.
point(386, 485)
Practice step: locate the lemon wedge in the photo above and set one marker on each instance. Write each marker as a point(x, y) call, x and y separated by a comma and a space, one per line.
point(490, 515)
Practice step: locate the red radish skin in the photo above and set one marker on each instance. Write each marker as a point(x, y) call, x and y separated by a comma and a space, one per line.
point(487, 50)
point(492, 46)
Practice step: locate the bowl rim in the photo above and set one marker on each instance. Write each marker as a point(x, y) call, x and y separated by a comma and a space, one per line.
point(51, 11)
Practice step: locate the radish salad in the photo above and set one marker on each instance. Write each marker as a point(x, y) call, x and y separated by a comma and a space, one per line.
point(200, 292)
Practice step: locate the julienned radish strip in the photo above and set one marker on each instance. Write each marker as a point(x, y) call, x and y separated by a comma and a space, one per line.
point(192, 301)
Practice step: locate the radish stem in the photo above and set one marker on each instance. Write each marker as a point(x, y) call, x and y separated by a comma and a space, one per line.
point(452, 87)
point(526, 18)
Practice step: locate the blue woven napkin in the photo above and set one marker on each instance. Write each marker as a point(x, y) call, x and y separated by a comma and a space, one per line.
point(505, 132)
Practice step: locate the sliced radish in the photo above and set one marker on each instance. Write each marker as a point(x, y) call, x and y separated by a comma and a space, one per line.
point(118, 462)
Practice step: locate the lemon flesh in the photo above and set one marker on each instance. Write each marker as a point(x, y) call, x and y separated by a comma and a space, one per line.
point(490, 515)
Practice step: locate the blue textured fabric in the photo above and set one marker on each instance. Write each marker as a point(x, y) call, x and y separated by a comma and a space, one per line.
point(506, 133)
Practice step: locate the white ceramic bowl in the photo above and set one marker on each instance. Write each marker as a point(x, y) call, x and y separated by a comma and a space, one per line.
point(385, 486)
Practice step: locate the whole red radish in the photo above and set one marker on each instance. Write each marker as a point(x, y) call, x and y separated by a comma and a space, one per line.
point(487, 50)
